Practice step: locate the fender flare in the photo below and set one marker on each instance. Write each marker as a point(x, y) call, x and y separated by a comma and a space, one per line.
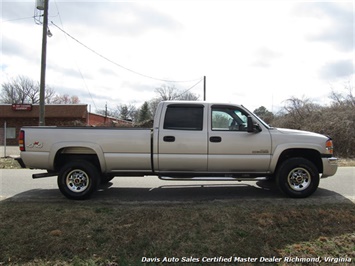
point(88, 146)
point(280, 149)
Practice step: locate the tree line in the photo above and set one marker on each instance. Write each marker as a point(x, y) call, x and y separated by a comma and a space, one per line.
point(22, 90)
point(336, 120)
point(143, 115)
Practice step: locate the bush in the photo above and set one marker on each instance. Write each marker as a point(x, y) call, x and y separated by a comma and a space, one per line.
point(336, 121)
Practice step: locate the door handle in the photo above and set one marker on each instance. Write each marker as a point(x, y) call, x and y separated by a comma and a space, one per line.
point(215, 139)
point(169, 138)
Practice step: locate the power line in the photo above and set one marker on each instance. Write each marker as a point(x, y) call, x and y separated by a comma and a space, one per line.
point(14, 19)
point(191, 87)
point(76, 63)
point(121, 66)
point(23, 18)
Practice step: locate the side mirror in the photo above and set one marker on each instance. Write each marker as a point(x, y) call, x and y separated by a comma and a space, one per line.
point(253, 127)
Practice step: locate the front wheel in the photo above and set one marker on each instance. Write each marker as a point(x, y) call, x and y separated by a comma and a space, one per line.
point(78, 180)
point(297, 178)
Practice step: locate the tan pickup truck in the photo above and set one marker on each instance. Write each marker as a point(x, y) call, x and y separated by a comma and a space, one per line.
point(189, 141)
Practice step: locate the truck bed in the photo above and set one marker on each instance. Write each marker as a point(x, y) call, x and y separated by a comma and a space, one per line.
point(117, 146)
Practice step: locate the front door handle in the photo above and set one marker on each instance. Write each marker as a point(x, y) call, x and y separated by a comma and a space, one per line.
point(169, 138)
point(215, 139)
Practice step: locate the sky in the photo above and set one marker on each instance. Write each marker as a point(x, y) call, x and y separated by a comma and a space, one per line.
point(255, 53)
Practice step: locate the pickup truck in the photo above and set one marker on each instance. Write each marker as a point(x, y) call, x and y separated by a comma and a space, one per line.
point(190, 140)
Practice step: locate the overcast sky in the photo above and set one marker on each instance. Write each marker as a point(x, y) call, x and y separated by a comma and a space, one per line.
point(252, 52)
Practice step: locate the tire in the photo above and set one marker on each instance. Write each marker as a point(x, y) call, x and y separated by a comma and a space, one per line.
point(78, 180)
point(297, 178)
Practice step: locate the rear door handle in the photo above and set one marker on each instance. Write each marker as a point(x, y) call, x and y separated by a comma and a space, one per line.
point(169, 138)
point(215, 139)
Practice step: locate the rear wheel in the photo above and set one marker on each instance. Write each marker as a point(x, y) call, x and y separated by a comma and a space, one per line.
point(78, 180)
point(297, 177)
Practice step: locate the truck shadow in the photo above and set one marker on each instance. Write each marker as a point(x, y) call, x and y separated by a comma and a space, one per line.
point(186, 193)
point(182, 193)
point(261, 190)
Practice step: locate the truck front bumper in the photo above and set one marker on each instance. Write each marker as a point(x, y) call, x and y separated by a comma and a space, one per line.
point(330, 166)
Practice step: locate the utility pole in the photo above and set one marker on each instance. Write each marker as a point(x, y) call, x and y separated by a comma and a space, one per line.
point(105, 113)
point(204, 88)
point(43, 65)
point(5, 137)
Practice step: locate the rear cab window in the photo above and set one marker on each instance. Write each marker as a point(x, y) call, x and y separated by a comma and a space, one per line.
point(184, 117)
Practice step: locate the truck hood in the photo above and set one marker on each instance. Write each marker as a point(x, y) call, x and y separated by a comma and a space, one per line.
point(297, 132)
point(291, 138)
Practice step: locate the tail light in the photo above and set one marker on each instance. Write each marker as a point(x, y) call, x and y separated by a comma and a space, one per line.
point(329, 146)
point(21, 140)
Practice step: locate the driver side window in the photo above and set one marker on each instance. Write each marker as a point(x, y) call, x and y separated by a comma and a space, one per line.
point(228, 119)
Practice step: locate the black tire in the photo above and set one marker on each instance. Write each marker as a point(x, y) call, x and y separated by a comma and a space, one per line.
point(297, 177)
point(78, 180)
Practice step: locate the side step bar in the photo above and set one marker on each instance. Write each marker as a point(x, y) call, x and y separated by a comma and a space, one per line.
point(169, 178)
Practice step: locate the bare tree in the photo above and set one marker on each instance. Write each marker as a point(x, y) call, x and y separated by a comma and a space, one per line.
point(170, 93)
point(300, 108)
point(166, 93)
point(20, 90)
point(342, 99)
point(23, 90)
point(188, 96)
point(7, 93)
point(65, 99)
point(107, 112)
point(49, 94)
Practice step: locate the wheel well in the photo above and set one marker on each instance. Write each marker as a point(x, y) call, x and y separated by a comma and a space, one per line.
point(311, 155)
point(66, 155)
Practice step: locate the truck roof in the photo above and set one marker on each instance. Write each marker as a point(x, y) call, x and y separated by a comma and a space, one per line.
point(200, 102)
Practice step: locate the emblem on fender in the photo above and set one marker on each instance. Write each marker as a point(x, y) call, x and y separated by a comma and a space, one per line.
point(35, 144)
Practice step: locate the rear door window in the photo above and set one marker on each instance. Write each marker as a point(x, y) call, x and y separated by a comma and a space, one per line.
point(184, 117)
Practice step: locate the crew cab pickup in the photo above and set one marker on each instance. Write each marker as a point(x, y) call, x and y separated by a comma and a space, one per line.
point(190, 140)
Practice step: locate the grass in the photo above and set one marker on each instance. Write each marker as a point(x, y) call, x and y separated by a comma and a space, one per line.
point(92, 233)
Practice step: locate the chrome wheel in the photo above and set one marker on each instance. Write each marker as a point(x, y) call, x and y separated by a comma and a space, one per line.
point(77, 180)
point(299, 179)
